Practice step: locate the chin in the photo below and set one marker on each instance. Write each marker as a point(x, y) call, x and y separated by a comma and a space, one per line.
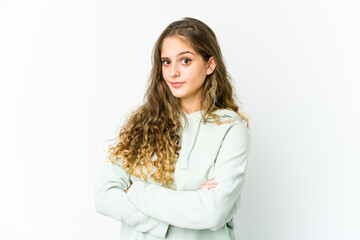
point(178, 95)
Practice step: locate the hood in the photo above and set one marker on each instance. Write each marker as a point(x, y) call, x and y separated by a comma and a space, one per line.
point(192, 130)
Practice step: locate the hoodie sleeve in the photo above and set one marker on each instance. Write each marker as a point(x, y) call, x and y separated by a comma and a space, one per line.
point(205, 208)
point(110, 200)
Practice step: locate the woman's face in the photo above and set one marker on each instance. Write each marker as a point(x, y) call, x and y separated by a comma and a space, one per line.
point(183, 69)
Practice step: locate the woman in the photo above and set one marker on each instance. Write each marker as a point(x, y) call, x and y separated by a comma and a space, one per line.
point(178, 165)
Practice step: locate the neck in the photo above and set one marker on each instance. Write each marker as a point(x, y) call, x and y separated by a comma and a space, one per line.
point(190, 108)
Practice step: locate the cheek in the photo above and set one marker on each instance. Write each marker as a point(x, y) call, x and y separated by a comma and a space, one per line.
point(196, 76)
point(164, 73)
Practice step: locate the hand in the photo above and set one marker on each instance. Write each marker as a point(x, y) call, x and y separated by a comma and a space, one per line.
point(209, 185)
point(127, 189)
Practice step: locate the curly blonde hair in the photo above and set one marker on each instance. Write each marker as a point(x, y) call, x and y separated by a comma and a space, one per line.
point(154, 128)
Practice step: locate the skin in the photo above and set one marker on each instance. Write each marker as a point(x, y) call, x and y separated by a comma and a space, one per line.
point(181, 63)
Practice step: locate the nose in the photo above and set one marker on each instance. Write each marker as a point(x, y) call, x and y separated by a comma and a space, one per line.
point(174, 71)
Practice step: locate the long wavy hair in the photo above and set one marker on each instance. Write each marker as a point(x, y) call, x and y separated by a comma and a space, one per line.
point(154, 128)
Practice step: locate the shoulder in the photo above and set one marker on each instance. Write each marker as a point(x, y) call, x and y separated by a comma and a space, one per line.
point(228, 115)
point(237, 130)
point(232, 127)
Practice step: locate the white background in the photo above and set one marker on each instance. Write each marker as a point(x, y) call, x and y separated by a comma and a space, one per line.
point(71, 70)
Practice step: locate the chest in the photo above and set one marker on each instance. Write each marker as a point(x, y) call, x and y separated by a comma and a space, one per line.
point(197, 159)
point(197, 156)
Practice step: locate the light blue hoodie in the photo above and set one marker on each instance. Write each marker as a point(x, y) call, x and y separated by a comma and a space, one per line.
point(208, 151)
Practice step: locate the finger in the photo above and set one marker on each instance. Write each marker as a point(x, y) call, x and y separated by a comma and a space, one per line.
point(213, 184)
point(208, 185)
point(210, 180)
point(211, 187)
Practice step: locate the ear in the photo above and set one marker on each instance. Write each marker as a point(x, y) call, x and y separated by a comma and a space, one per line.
point(210, 66)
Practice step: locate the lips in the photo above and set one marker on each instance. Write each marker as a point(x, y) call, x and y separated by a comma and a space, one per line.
point(177, 84)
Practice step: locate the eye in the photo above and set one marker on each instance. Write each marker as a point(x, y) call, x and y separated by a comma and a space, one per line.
point(186, 60)
point(165, 62)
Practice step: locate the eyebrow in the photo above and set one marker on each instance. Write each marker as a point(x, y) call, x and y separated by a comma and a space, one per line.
point(182, 53)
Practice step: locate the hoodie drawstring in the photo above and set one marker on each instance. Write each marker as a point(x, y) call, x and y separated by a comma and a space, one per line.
point(189, 139)
point(190, 142)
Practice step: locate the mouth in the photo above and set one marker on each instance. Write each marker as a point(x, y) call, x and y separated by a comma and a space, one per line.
point(177, 84)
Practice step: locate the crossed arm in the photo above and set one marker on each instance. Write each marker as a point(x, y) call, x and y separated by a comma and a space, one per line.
point(110, 200)
point(151, 208)
point(204, 208)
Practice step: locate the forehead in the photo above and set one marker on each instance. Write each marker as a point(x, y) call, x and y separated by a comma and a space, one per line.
point(171, 46)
